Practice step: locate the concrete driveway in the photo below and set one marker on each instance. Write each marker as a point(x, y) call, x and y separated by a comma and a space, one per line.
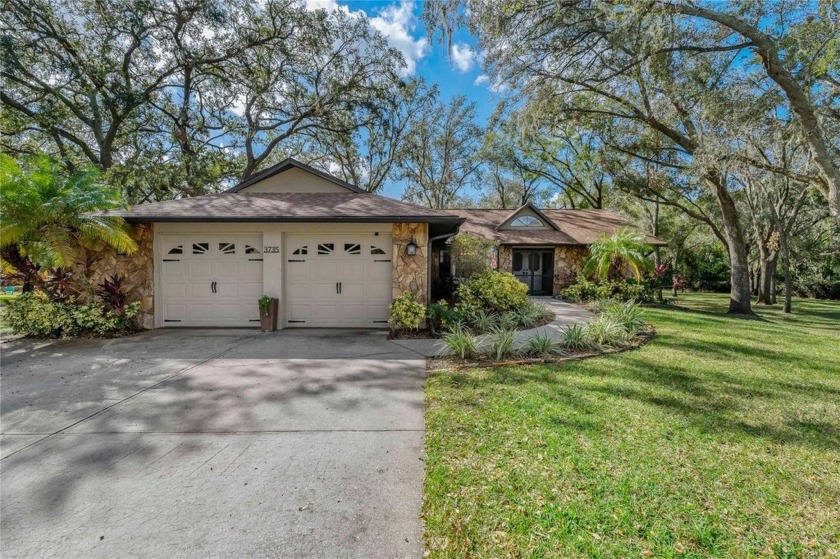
point(212, 443)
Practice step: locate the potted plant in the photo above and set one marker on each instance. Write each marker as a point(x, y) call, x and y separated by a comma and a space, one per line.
point(268, 313)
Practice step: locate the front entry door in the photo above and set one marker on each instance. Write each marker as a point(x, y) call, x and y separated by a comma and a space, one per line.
point(535, 268)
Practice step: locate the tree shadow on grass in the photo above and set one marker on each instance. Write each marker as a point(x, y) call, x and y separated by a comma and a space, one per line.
point(807, 313)
point(711, 401)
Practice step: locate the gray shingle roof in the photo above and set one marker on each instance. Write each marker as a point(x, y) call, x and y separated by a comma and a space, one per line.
point(574, 227)
point(292, 206)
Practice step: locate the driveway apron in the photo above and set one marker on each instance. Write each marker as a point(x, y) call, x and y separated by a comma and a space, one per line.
point(212, 443)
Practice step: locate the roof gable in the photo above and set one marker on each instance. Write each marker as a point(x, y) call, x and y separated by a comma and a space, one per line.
point(292, 176)
point(527, 210)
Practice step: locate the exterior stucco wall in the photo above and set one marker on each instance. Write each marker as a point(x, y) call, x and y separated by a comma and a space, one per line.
point(136, 270)
point(410, 273)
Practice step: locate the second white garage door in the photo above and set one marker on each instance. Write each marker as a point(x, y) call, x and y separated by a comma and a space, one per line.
point(338, 280)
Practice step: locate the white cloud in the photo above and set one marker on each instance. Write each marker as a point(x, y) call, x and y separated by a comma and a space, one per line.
point(396, 22)
point(494, 86)
point(463, 57)
point(313, 5)
point(238, 105)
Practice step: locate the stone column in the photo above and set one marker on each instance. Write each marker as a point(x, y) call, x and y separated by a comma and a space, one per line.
point(410, 273)
point(505, 259)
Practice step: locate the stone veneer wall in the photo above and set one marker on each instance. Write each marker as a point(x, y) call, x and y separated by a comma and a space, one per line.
point(411, 273)
point(568, 262)
point(505, 259)
point(137, 270)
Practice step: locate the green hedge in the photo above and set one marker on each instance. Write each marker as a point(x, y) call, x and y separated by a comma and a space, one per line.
point(622, 290)
point(35, 316)
point(490, 291)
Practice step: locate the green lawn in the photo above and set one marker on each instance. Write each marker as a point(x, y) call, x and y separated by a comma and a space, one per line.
point(720, 438)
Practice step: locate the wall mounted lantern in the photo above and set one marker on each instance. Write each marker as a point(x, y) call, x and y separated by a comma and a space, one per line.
point(411, 248)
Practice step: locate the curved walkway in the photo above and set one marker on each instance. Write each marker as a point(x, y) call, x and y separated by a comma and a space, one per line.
point(564, 315)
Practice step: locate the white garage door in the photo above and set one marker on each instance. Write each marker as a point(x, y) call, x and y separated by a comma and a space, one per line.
point(210, 280)
point(338, 280)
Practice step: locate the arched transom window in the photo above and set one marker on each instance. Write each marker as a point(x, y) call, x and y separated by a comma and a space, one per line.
point(526, 221)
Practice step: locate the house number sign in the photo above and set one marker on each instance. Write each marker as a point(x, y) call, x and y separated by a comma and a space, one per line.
point(271, 250)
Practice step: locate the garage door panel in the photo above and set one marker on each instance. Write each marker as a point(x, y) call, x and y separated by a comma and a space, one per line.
point(233, 263)
point(236, 311)
point(378, 312)
point(200, 270)
point(299, 292)
point(352, 311)
point(324, 271)
point(197, 290)
point(298, 313)
point(351, 271)
point(176, 290)
point(174, 270)
point(324, 293)
point(253, 290)
point(177, 311)
point(324, 313)
point(348, 259)
point(350, 291)
point(297, 272)
point(227, 270)
point(200, 311)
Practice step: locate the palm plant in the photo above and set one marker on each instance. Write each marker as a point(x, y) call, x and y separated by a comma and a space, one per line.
point(610, 253)
point(47, 215)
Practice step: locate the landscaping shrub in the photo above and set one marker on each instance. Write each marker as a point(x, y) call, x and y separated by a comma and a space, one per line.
point(532, 314)
point(112, 295)
point(405, 312)
point(484, 321)
point(460, 341)
point(541, 344)
point(622, 290)
point(491, 291)
point(501, 342)
point(33, 315)
point(605, 331)
point(629, 314)
point(508, 320)
point(574, 337)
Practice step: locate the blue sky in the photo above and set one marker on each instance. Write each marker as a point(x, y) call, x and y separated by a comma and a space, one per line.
point(458, 74)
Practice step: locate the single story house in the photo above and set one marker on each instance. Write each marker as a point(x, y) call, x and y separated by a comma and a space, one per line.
point(545, 248)
point(334, 255)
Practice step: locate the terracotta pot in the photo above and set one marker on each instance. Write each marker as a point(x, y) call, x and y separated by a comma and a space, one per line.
point(268, 322)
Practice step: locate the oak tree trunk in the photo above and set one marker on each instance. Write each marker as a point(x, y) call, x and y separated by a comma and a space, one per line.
point(739, 295)
point(767, 265)
point(785, 254)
